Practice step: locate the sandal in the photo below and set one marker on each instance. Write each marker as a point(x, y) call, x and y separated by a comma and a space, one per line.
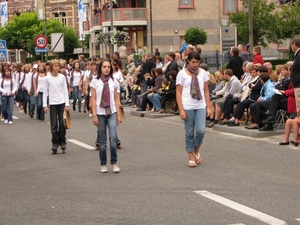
point(192, 163)
point(198, 158)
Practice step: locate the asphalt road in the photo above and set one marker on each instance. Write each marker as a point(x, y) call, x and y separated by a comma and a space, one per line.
point(242, 180)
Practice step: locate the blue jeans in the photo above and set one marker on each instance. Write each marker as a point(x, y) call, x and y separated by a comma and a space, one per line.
point(195, 120)
point(40, 114)
point(32, 104)
point(8, 103)
point(111, 123)
point(1, 105)
point(77, 96)
point(155, 99)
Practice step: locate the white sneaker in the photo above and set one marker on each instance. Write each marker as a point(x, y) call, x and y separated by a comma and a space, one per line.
point(103, 169)
point(2, 119)
point(17, 104)
point(82, 101)
point(5, 121)
point(116, 169)
point(10, 122)
point(90, 115)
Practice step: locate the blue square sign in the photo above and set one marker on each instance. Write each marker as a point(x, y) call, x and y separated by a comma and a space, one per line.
point(3, 54)
point(2, 44)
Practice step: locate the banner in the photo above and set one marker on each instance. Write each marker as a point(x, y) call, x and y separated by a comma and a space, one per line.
point(40, 8)
point(4, 13)
point(81, 18)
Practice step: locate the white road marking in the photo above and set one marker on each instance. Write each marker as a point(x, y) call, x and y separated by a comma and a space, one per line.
point(243, 209)
point(81, 144)
point(298, 219)
point(15, 118)
point(237, 224)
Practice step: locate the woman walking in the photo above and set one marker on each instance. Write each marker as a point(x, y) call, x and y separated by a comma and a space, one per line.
point(192, 95)
point(39, 82)
point(105, 101)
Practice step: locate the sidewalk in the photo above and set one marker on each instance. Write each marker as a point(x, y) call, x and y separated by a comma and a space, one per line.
point(240, 130)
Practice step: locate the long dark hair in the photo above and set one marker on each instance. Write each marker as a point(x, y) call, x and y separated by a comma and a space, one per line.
point(100, 66)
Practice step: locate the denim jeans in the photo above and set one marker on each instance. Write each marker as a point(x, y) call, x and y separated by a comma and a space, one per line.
point(58, 129)
point(155, 99)
point(32, 104)
point(195, 121)
point(111, 123)
point(1, 105)
point(8, 103)
point(77, 96)
point(40, 114)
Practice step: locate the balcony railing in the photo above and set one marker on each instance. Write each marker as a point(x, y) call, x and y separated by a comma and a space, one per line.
point(86, 25)
point(97, 20)
point(123, 14)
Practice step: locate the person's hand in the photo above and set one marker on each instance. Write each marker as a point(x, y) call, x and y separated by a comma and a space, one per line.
point(208, 111)
point(118, 119)
point(46, 109)
point(66, 108)
point(36, 94)
point(259, 99)
point(95, 120)
point(182, 114)
point(11, 94)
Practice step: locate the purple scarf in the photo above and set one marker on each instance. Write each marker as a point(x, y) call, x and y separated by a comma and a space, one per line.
point(195, 90)
point(105, 98)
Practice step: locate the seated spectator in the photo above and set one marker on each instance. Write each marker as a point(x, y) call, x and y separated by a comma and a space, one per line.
point(169, 91)
point(246, 68)
point(271, 73)
point(220, 85)
point(250, 95)
point(159, 62)
point(295, 123)
point(136, 88)
point(263, 102)
point(153, 96)
point(281, 99)
point(278, 70)
point(233, 86)
point(166, 63)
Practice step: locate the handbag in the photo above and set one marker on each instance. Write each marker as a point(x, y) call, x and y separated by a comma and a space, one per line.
point(67, 120)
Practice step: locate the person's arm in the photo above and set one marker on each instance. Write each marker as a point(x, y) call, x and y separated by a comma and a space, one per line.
point(66, 93)
point(207, 98)
point(34, 86)
point(94, 108)
point(45, 94)
point(118, 104)
point(179, 102)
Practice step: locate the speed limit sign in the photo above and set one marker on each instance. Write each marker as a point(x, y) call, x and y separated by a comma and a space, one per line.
point(41, 41)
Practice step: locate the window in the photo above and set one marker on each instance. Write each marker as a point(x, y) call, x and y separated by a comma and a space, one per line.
point(186, 4)
point(60, 16)
point(230, 6)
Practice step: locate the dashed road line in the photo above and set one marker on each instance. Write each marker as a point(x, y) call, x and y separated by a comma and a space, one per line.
point(15, 117)
point(242, 208)
point(81, 144)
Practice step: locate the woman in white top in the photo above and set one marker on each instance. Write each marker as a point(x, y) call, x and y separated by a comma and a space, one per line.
point(76, 84)
point(38, 83)
point(8, 87)
point(105, 106)
point(192, 95)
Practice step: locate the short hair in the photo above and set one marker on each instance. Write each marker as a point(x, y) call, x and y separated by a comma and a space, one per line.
point(257, 49)
point(249, 65)
point(245, 63)
point(166, 82)
point(173, 73)
point(204, 66)
point(296, 41)
point(253, 68)
point(172, 55)
point(52, 63)
point(159, 58)
point(278, 68)
point(229, 72)
point(159, 71)
point(235, 51)
point(262, 69)
point(286, 66)
point(268, 65)
point(198, 49)
point(264, 76)
point(193, 55)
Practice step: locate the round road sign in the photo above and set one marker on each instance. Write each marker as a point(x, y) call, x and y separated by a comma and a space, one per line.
point(41, 41)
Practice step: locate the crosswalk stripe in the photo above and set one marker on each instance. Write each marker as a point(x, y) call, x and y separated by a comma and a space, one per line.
point(242, 208)
point(81, 144)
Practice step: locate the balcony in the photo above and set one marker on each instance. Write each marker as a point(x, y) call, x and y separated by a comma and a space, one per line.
point(86, 27)
point(125, 17)
point(96, 22)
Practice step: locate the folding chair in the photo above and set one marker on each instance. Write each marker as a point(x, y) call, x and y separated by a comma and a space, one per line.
point(281, 116)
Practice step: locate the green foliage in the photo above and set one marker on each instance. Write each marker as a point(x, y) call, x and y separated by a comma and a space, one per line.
point(86, 41)
point(195, 36)
point(21, 31)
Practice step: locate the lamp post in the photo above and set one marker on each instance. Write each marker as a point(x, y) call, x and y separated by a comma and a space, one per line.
point(250, 11)
point(151, 32)
point(111, 25)
point(45, 29)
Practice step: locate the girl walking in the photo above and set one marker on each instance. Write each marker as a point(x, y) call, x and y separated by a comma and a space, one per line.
point(105, 101)
point(192, 95)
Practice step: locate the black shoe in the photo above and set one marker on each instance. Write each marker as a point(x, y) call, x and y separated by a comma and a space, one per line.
point(284, 143)
point(252, 127)
point(269, 120)
point(234, 124)
point(267, 127)
point(31, 116)
point(294, 143)
point(140, 109)
point(229, 122)
point(74, 107)
point(79, 111)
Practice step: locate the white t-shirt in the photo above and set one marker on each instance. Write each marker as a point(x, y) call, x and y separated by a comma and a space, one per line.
point(98, 86)
point(7, 86)
point(185, 80)
point(40, 84)
point(57, 89)
point(76, 78)
point(119, 76)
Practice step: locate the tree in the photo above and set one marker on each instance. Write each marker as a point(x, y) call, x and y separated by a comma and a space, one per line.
point(264, 23)
point(21, 31)
point(195, 36)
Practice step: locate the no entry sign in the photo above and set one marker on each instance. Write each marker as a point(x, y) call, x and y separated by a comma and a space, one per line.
point(41, 41)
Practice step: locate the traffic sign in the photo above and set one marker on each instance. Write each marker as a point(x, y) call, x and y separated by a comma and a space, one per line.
point(41, 41)
point(3, 54)
point(2, 44)
point(41, 50)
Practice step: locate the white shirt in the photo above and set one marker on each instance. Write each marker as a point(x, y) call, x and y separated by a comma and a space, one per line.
point(185, 80)
point(28, 81)
point(98, 86)
point(76, 78)
point(7, 86)
point(40, 83)
point(118, 76)
point(56, 87)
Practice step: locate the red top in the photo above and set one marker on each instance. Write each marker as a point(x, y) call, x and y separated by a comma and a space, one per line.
point(258, 59)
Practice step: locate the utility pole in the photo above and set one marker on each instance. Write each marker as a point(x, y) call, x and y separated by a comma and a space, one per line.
point(151, 32)
point(111, 26)
point(45, 30)
point(250, 13)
